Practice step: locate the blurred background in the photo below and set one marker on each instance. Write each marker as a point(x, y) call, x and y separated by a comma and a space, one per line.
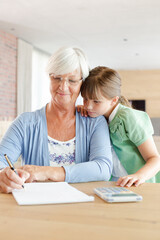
point(121, 34)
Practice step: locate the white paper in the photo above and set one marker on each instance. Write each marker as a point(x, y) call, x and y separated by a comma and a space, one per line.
point(49, 193)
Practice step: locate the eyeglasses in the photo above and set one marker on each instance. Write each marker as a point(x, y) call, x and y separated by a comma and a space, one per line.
point(58, 79)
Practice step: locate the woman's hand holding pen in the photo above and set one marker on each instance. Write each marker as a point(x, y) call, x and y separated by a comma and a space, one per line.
point(9, 180)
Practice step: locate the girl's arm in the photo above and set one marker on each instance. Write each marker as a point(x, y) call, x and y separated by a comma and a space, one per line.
point(150, 154)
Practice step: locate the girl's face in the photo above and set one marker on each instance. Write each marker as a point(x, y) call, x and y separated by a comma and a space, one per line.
point(102, 106)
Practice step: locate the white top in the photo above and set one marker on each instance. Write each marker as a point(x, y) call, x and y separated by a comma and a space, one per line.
point(61, 153)
point(113, 113)
point(118, 169)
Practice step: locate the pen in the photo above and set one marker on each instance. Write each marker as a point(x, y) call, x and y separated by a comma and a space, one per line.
point(11, 165)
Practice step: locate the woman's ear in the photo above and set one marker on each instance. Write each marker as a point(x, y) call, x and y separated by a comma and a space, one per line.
point(115, 100)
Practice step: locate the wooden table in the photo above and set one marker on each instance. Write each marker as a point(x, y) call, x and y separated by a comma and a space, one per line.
point(80, 221)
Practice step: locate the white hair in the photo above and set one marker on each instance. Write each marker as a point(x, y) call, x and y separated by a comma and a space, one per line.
point(67, 60)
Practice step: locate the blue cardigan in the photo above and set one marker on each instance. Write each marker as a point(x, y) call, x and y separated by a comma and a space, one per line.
point(27, 136)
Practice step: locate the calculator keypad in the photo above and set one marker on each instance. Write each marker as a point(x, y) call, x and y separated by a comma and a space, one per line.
point(113, 190)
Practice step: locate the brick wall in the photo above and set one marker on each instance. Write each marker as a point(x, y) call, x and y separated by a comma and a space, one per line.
point(8, 84)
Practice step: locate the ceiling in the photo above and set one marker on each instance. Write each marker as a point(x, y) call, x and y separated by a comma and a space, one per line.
point(121, 34)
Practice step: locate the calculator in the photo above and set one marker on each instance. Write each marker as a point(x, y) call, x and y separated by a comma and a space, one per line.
point(117, 194)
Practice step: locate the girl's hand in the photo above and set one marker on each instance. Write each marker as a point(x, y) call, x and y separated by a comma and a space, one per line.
point(80, 108)
point(130, 180)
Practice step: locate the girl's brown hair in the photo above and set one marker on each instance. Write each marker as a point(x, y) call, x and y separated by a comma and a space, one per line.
point(105, 81)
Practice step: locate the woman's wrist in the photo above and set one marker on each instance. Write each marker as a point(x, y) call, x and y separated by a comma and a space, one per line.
point(44, 173)
point(56, 174)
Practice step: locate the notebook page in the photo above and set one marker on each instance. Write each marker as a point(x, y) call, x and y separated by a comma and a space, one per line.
point(49, 193)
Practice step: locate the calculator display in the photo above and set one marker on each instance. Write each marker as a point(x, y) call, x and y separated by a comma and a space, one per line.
point(124, 195)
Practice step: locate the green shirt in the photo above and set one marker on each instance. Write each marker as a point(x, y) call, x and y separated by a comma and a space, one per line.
point(128, 130)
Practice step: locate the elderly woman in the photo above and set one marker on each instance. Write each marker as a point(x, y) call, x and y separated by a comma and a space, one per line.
point(56, 142)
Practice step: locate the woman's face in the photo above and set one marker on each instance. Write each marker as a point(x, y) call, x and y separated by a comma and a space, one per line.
point(65, 88)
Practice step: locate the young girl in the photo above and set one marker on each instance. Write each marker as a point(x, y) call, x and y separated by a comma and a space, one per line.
point(130, 130)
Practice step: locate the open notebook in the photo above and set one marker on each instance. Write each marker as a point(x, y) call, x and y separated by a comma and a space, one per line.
point(49, 193)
